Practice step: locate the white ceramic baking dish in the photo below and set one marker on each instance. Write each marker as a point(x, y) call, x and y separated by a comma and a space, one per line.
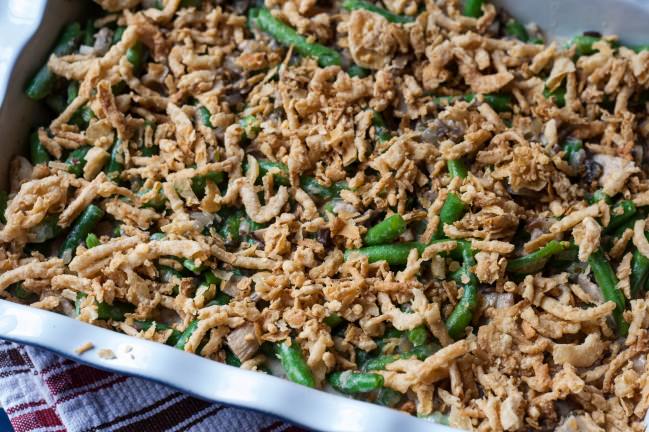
point(27, 30)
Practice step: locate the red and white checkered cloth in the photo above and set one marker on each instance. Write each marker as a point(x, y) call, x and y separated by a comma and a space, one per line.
point(43, 392)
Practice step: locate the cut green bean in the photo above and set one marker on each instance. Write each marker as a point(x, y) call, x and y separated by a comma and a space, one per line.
point(116, 311)
point(382, 132)
point(598, 196)
point(46, 230)
point(558, 96)
point(231, 359)
point(584, 44)
point(77, 160)
point(457, 168)
point(89, 33)
point(82, 226)
point(452, 210)
point(186, 334)
point(37, 152)
point(473, 8)
point(535, 261)
point(639, 272)
point(462, 314)
point(117, 36)
point(517, 30)
point(287, 36)
point(116, 162)
point(351, 5)
point(385, 231)
point(621, 213)
point(204, 115)
point(572, 147)
point(191, 265)
point(4, 198)
point(43, 82)
point(17, 290)
point(607, 282)
point(358, 71)
point(294, 364)
point(136, 55)
point(351, 382)
point(388, 397)
point(145, 325)
point(92, 241)
point(394, 254)
point(418, 336)
point(314, 188)
point(380, 362)
point(250, 126)
point(280, 169)
point(333, 320)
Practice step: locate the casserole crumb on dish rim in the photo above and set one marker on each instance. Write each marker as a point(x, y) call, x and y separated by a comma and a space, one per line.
point(417, 204)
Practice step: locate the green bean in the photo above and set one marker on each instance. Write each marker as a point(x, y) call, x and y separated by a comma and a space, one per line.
point(473, 8)
point(382, 132)
point(191, 265)
point(81, 228)
point(158, 236)
point(294, 364)
point(535, 261)
point(558, 94)
point(639, 48)
point(76, 161)
point(46, 230)
point(116, 162)
point(145, 325)
point(116, 311)
point(358, 71)
point(499, 102)
point(418, 336)
point(621, 213)
point(89, 33)
point(515, 29)
point(186, 334)
point(452, 210)
point(388, 397)
point(462, 314)
point(351, 5)
point(394, 254)
point(607, 281)
point(280, 178)
point(231, 359)
point(168, 274)
point(72, 92)
point(92, 241)
point(117, 36)
point(380, 362)
point(313, 187)
point(639, 272)
point(43, 82)
point(230, 228)
point(287, 36)
point(598, 196)
point(333, 320)
point(385, 231)
point(204, 115)
point(199, 183)
point(136, 55)
point(158, 201)
point(350, 382)
point(37, 152)
point(4, 198)
point(220, 299)
point(584, 44)
point(17, 290)
point(457, 168)
point(572, 147)
point(82, 117)
point(250, 126)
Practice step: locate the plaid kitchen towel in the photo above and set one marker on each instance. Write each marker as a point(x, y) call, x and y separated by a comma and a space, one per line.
point(46, 393)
